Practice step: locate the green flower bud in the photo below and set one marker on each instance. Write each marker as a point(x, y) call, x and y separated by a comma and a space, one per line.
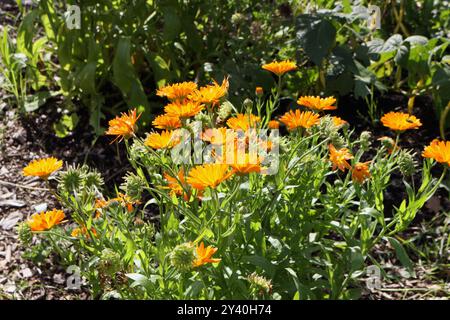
point(248, 105)
point(365, 140)
point(225, 110)
point(71, 180)
point(259, 285)
point(110, 262)
point(406, 163)
point(133, 186)
point(93, 179)
point(24, 233)
point(183, 256)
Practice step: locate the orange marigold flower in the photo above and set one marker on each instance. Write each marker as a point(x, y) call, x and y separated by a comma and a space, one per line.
point(219, 136)
point(273, 124)
point(245, 164)
point(243, 121)
point(42, 168)
point(184, 109)
point(295, 119)
point(176, 186)
point(123, 126)
point(163, 140)
point(177, 91)
point(338, 122)
point(208, 175)
point(45, 220)
point(339, 158)
point(439, 151)
point(399, 121)
point(204, 255)
point(317, 103)
point(211, 94)
point(167, 122)
point(360, 172)
point(280, 68)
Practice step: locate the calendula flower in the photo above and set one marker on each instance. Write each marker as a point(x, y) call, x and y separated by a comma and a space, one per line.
point(360, 172)
point(295, 119)
point(45, 220)
point(176, 186)
point(339, 158)
point(82, 231)
point(399, 121)
point(204, 255)
point(163, 140)
point(439, 151)
point(219, 136)
point(273, 124)
point(124, 126)
point(210, 94)
point(168, 122)
point(338, 122)
point(184, 109)
point(42, 168)
point(177, 91)
point(317, 103)
point(208, 175)
point(245, 164)
point(280, 68)
point(243, 121)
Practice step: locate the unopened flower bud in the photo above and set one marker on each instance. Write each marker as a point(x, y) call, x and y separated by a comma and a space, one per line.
point(183, 256)
point(259, 92)
point(365, 140)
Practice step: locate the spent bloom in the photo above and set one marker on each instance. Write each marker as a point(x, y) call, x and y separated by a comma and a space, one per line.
point(167, 122)
point(208, 175)
point(295, 119)
point(204, 255)
point(439, 151)
point(399, 121)
point(280, 68)
point(317, 103)
point(164, 140)
point(124, 126)
point(42, 168)
point(177, 91)
point(339, 158)
point(360, 172)
point(45, 220)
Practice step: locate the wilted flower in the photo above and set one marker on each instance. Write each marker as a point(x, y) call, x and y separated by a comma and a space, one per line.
point(204, 255)
point(280, 68)
point(360, 172)
point(45, 220)
point(339, 158)
point(259, 284)
point(399, 121)
point(124, 126)
point(83, 231)
point(42, 168)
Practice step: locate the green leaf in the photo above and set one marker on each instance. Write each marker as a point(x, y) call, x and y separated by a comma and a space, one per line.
point(172, 23)
point(65, 125)
point(35, 101)
point(402, 255)
point(316, 37)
